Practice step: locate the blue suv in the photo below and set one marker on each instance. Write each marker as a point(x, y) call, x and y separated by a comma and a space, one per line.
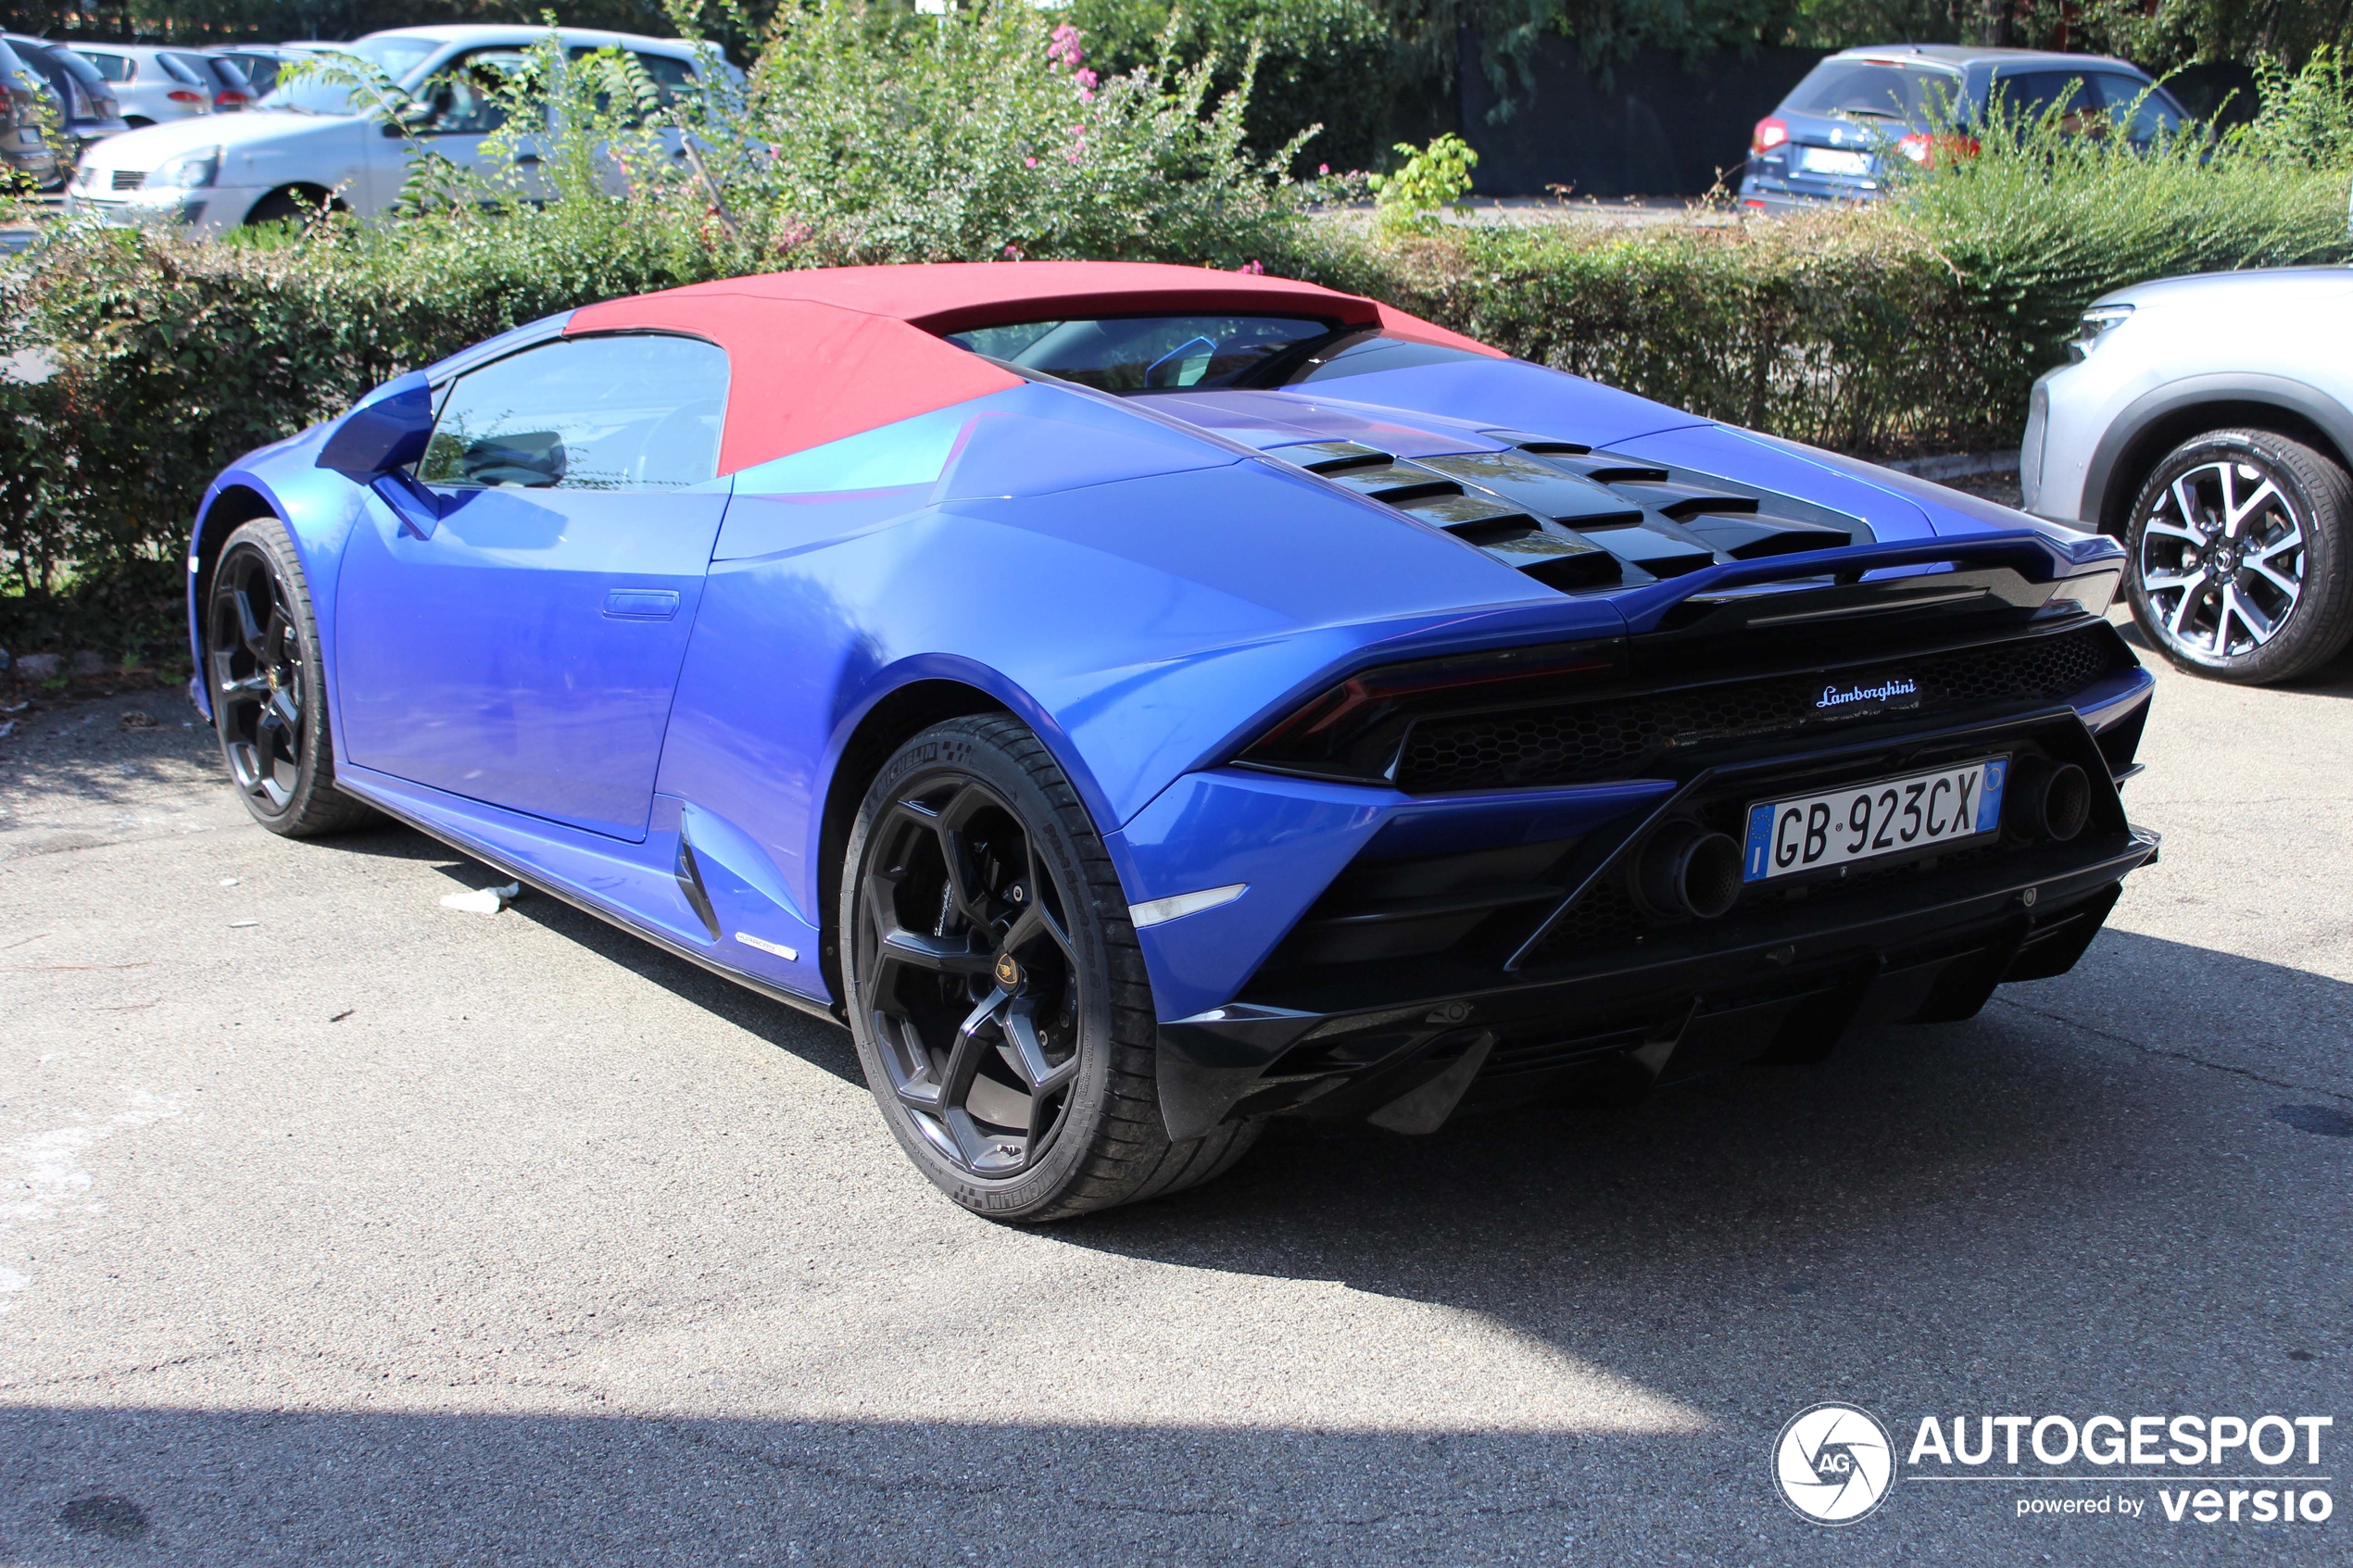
point(1838, 133)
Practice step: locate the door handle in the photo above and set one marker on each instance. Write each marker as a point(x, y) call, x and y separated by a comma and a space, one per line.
point(641, 604)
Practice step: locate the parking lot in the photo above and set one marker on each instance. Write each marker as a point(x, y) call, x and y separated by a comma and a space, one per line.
point(339, 1226)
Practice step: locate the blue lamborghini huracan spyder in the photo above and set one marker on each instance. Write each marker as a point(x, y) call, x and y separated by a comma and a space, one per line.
point(1142, 701)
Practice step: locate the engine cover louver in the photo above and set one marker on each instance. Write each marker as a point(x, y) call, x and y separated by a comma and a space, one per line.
point(1575, 519)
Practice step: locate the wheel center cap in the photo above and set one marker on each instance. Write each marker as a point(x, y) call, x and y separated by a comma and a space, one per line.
point(1008, 972)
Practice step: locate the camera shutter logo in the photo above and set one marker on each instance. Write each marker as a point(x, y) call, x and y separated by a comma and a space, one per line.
point(1833, 1463)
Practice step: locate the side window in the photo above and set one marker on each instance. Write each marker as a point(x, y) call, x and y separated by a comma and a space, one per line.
point(114, 68)
point(637, 411)
point(670, 76)
point(463, 95)
point(2143, 117)
point(181, 71)
point(2031, 95)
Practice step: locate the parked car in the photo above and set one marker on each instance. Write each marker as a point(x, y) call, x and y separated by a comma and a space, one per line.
point(1842, 129)
point(260, 63)
point(1142, 700)
point(85, 104)
point(233, 91)
point(313, 143)
point(155, 85)
point(25, 149)
point(2207, 423)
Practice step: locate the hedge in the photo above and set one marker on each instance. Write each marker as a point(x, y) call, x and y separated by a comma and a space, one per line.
point(1915, 325)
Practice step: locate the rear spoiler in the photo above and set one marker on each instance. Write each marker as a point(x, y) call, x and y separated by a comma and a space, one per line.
point(1988, 563)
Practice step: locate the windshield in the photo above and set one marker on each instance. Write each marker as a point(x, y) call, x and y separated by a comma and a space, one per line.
point(1146, 353)
point(394, 56)
point(1877, 89)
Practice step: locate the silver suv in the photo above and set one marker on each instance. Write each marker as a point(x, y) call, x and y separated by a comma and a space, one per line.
point(2208, 421)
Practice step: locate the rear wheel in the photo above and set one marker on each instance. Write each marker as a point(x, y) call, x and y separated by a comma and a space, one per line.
point(2239, 546)
point(995, 987)
point(269, 694)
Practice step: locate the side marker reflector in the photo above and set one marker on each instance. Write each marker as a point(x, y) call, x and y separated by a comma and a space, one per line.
point(1158, 911)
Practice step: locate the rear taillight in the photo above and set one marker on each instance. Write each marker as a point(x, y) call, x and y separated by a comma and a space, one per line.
point(1353, 730)
point(231, 100)
point(1924, 149)
point(1770, 134)
point(184, 95)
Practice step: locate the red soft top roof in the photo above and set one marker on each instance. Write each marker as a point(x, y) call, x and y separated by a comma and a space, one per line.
point(823, 352)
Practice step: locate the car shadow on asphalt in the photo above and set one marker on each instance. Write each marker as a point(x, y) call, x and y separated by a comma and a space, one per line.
point(88, 1484)
point(1856, 1186)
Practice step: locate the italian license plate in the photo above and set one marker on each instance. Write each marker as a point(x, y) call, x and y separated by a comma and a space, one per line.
point(1863, 822)
point(1832, 160)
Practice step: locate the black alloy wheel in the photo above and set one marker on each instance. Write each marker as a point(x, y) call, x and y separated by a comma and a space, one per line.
point(2238, 550)
point(996, 990)
point(269, 699)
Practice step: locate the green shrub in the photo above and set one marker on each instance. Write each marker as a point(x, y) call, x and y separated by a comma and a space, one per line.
point(1430, 180)
point(2039, 218)
point(1325, 64)
point(1845, 330)
point(871, 134)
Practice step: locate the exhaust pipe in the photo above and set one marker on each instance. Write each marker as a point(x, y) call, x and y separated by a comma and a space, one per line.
point(2050, 800)
point(1688, 873)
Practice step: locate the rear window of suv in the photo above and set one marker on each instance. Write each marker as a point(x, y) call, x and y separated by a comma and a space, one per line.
point(1883, 89)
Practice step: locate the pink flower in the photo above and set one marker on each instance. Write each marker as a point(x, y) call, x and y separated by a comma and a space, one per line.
point(1013, 253)
point(1065, 49)
point(1087, 79)
point(1323, 169)
point(1029, 163)
point(1254, 268)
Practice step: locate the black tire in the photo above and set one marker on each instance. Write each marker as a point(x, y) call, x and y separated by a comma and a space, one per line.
point(268, 695)
point(289, 206)
point(2255, 584)
point(1024, 953)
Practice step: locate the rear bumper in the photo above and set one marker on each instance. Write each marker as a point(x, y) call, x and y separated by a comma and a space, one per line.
point(1406, 1046)
point(1767, 194)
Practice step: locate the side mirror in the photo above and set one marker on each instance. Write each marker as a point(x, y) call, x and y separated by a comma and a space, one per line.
point(386, 433)
point(377, 440)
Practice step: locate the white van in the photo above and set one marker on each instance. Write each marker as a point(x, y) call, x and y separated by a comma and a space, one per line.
point(309, 142)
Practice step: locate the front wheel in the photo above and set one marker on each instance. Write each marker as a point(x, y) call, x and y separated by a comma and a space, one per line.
point(268, 689)
point(995, 987)
point(2238, 545)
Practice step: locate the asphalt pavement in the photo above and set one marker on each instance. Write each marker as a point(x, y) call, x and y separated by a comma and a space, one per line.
point(340, 1227)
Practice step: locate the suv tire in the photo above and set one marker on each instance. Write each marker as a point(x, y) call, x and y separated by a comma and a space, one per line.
point(2238, 551)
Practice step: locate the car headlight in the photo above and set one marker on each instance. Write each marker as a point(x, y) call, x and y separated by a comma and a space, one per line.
point(2097, 322)
point(189, 171)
